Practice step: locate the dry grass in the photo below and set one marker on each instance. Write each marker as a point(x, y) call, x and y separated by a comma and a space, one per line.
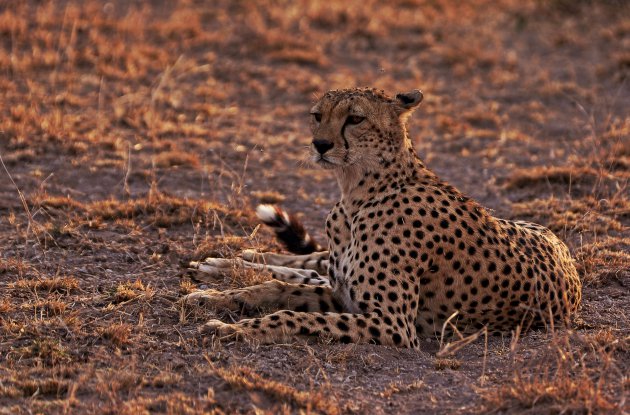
point(445, 363)
point(584, 215)
point(176, 158)
point(51, 307)
point(245, 378)
point(32, 388)
point(584, 176)
point(141, 135)
point(396, 388)
point(157, 208)
point(118, 334)
point(46, 351)
point(15, 266)
point(570, 374)
point(129, 291)
point(54, 284)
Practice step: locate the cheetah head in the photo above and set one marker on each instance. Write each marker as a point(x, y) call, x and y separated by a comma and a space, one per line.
point(359, 126)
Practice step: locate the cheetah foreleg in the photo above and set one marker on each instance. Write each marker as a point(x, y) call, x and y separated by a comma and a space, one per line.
point(287, 325)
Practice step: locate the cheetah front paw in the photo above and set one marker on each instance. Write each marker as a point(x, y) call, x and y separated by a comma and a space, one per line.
point(220, 263)
point(215, 268)
point(213, 299)
point(252, 255)
point(223, 331)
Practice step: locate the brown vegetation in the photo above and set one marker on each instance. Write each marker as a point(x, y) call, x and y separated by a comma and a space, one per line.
point(137, 136)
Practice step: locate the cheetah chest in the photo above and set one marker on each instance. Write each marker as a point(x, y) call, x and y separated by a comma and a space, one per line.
point(340, 268)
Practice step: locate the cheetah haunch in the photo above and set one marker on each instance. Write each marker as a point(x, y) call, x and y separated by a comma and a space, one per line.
point(406, 251)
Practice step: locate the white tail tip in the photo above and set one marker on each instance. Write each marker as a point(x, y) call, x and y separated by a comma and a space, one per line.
point(266, 213)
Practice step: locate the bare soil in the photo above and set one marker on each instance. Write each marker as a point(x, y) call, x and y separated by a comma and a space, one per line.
point(137, 136)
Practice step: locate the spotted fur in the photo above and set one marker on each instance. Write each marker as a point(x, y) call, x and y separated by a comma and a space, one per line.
point(406, 251)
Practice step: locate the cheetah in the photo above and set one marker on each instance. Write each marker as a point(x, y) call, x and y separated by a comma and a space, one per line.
point(407, 252)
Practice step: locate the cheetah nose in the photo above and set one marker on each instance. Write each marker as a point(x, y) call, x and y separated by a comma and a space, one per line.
point(322, 146)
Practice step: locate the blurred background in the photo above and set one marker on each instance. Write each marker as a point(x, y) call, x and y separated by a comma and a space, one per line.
point(136, 136)
point(203, 86)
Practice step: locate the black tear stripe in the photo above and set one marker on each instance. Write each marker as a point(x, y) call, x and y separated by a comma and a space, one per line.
point(343, 135)
point(345, 142)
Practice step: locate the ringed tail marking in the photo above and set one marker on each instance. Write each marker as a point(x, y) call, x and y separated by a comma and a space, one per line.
point(289, 230)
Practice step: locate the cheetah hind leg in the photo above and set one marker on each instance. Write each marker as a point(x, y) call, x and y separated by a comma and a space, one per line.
point(215, 268)
point(316, 261)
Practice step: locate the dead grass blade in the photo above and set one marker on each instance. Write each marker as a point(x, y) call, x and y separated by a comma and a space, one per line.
point(245, 378)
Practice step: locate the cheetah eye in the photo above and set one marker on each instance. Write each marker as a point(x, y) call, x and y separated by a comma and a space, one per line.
point(317, 116)
point(354, 119)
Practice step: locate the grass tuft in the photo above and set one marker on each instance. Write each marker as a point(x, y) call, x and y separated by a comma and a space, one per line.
point(117, 334)
point(447, 363)
point(246, 379)
point(570, 374)
point(63, 284)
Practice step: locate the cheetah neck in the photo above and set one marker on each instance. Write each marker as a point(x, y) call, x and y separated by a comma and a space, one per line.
point(370, 177)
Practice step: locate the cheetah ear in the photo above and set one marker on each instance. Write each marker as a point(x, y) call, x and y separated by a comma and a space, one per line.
point(408, 101)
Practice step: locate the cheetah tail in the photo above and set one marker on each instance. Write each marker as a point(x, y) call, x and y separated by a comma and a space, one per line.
point(288, 229)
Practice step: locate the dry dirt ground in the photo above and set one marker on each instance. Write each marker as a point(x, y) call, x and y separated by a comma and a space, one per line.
point(137, 136)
